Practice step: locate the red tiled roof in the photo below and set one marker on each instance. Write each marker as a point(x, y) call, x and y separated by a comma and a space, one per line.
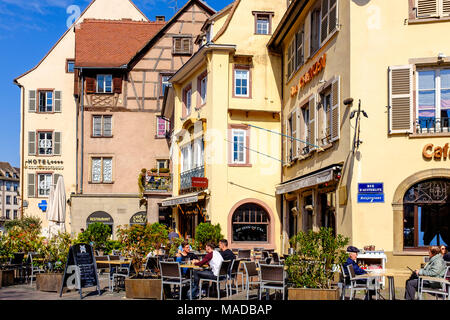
point(111, 43)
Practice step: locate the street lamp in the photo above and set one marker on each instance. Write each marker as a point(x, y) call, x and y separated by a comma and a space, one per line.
point(356, 141)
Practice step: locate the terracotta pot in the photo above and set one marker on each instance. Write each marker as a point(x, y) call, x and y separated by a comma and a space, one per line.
point(143, 288)
point(313, 294)
point(49, 282)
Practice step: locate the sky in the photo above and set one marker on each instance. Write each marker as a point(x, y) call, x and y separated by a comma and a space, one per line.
point(28, 30)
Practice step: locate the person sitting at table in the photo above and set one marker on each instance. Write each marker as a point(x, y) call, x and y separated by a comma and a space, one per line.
point(214, 260)
point(434, 268)
point(185, 255)
point(173, 234)
point(351, 260)
point(445, 253)
point(226, 253)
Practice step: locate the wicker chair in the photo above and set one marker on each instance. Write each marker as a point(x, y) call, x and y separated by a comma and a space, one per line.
point(272, 277)
point(222, 277)
point(171, 275)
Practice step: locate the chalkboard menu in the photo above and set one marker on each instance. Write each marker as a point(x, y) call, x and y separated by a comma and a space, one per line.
point(81, 269)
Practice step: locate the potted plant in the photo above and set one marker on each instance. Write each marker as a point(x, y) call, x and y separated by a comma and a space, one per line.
point(97, 234)
point(206, 232)
point(311, 269)
point(54, 253)
point(138, 241)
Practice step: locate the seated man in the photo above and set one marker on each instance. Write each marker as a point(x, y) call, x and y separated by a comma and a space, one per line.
point(351, 260)
point(214, 260)
point(436, 267)
point(186, 255)
point(226, 253)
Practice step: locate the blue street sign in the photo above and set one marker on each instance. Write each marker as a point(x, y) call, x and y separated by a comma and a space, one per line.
point(43, 205)
point(370, 188)
point(371, 198)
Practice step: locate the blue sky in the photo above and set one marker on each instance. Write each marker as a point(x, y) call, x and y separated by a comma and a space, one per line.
point(28, 29)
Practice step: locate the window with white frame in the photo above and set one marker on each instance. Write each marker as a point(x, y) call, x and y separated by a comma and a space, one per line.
point(15, 215)
point(198, 153)
point(238, 152)
point(102, 126)
point(44, 184)
point(262, 24)
point(165, 83)
point(241, 82)
point(162, 164)
point(162, 126)
point(45, 101)
point(328, 19)
point(45, 143)
point(187, 99)
point(8, 215)
point(104, 83)
point(306, 129)
point(101, 170)
point(433, 101)
point(186, 158)
point(325, 116)
point(8, 199)
point(203, 89)
point(291, 58)
point(315, 29)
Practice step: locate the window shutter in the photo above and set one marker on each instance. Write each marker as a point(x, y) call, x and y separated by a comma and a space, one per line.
point(312, 122)
point(32, 101)
point(400, 99)
point(294, 134)
point(57, 101)
point(298, 130)
point(333, 17)
point(31, 143)
point(117, 84)
point(427, 8)
point(299, 56)
point(307, 37)
point(57, 144)
point(177, 45)
point(285, 143)
point(90, 84)
point(335, 110)
point(324, 24)
point(186, 45)
point(31, 185)
point(446, 8)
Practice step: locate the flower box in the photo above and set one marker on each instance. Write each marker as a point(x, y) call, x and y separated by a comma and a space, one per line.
point(313, 294)
point(49, 282)
point(143, 288)
point(6, 278)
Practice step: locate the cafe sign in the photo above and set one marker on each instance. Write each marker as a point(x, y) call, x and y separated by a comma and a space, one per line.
point(139, 218)
point(311, 74)
point(430, 151)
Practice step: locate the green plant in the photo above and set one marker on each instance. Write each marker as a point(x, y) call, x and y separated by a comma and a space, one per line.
point(164, 170)
point(316, 253)
point(96, 234)
point(207, 232)
point(176, 242)
point(154, 170)
point(55, 251)
point(28, 223)
point(19, 239)
point(113, 245)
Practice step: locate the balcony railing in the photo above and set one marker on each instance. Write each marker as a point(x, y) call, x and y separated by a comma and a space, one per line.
point(186, 177)
point(159, 182)
point(432, 125)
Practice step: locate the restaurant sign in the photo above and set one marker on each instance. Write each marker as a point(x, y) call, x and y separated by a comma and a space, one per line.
point(100, 216)
point(201, 183)
point(311, 74)
point(139, 218)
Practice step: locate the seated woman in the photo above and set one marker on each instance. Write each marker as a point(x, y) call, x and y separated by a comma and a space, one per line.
point(185, 255)
point(434, 268)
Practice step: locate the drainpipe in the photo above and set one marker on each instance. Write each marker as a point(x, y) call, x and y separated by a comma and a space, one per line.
point(22, 166)
point(82, 131)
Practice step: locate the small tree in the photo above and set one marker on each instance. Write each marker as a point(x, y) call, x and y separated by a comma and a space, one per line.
point(97, 233)
point(207, 232)
point(311, 266)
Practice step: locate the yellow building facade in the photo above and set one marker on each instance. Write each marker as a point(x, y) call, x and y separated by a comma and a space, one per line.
point(222, 101)
point(379, 176)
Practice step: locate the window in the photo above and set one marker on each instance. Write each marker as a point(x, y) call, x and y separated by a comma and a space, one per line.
point(198, 153)
point(8, 214)
point(101, 170)
point(15, 200)
point(433, 105)
point(325, 117)
point(306, 129)
point(102, 126)
point(164, 83)
point(182, 45)
point(241, 82)
point(16, 187)
point(187, 100)
point(430, 9)
point(427, 214)
point(104, 83)
point(45, 143)
point(292, 133)
point(239, 153)
point(262, 24)
point(315, 31)
point(70, 67)
point(203, 87)
point(15, 215)
point(328, 19)
point(8, 199)
point(291, 58)
point(45, 101)
point(8, 185)
point(44, 183)
point(299, 54)
point(7, 175)
point(162, 127)
point(250, 224)
point(186, 158)
point(162, 164)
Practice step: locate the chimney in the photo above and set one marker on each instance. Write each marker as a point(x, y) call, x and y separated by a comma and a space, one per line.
point(161, 18)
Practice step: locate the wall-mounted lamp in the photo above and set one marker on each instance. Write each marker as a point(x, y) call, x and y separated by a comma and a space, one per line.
point(348, 101)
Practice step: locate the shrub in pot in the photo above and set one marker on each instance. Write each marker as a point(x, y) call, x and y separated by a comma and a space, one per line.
point(311, 268)
point(206, 232)
point(97, 234)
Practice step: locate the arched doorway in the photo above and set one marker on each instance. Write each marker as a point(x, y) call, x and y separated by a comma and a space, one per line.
point(426, 214)
point(102, 217)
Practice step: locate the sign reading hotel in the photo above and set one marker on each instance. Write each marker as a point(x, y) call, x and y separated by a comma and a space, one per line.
point(44, 164)
point(311, 74)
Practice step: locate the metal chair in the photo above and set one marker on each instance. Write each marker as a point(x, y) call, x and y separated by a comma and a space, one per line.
point(233, 275)
point(151, 264)
point(344, 282)
point(16, 263)
point(244, 254)
point(171, 275)
point(354, 285)
point(120, 274)
point(222, 277)
point(33, 268)
point(251, 271)
point(435, 285)
point(276, 258)
point(272, 277)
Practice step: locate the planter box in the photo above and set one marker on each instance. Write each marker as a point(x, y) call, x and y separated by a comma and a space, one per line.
point(6, 278)
point(143, 288)
point(49, 282)
point(313, 294)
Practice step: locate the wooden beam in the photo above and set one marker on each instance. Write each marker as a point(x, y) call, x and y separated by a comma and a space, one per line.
point(135, 92)
point(143, 89)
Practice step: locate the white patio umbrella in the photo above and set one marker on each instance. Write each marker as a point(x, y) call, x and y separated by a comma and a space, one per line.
point(57, 212)
point(50, 201)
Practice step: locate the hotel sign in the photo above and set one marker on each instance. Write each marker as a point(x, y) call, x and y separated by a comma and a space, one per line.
point(44, 164)
point(311, 74)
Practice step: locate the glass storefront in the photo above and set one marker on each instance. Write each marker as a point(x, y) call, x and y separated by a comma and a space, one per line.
point(250, 224)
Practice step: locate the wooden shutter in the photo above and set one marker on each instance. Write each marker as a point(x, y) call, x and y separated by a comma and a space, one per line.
point(333, 17)
point(307, 37)
point(286, 143)
point(117, 84)
point(324, 21)
point(295, 143)
point(312, 122)
point(427, 8)
point(91, 84)
point(400, 99)
point(299, 49)
point(31, 143)
point(186, 42)
point(177, 45)
point(57, 101)
point(31, 185)
point(445, 8)
point(57, 144)
point(335, 110)
point(32, 100)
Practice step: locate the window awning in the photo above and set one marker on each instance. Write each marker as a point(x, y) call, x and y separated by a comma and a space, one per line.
point(308, 181)
point(184, 199)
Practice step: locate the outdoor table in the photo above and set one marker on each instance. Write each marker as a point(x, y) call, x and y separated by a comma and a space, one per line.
point(192, 268)
point(114, 262)
point(390, 274)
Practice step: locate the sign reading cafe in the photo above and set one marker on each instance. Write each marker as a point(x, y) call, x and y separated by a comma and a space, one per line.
point(311, 74)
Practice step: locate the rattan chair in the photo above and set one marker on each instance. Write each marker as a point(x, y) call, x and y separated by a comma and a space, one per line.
point(222, 277)
point(272, 277)
point(435, 285)
point(171, 275)
point(251, 272)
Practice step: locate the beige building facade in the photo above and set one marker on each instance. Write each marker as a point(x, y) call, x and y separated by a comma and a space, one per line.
point(379, 176)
